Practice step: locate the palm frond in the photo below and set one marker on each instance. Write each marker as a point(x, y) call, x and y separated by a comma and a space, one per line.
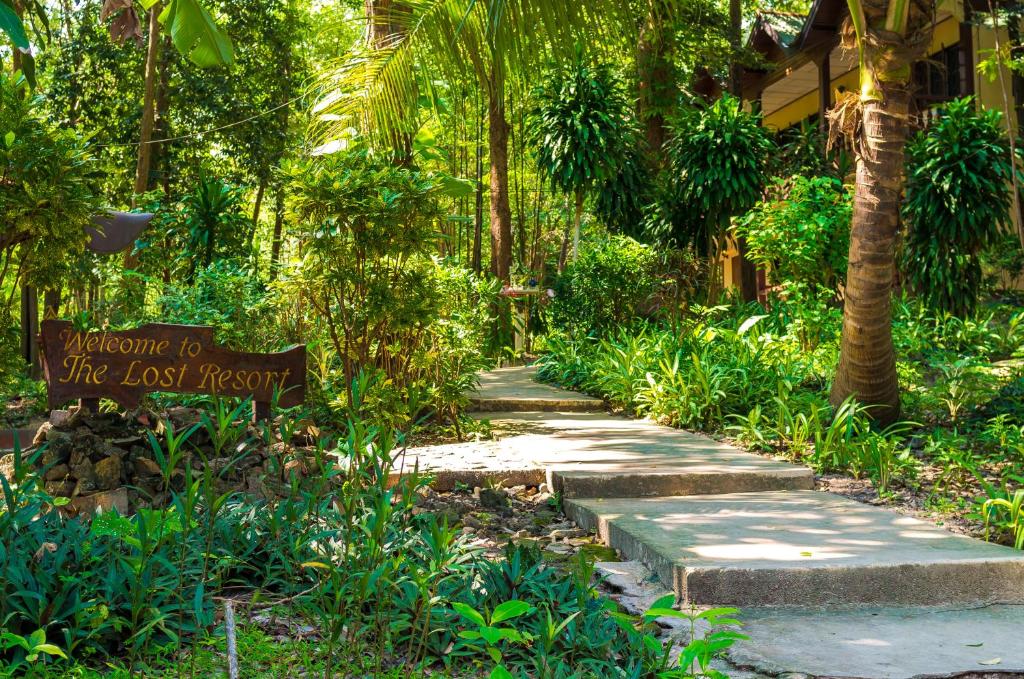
point(375, 87)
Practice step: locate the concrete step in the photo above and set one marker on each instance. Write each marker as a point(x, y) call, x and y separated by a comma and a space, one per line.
point(857, 641)
point(516, 390)
point(691, 477)
point(882, 643)
point(590, 455)
point(801, 548)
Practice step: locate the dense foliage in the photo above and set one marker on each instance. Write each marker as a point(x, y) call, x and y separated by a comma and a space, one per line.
point(47, 190)
point(580, 127)
point(718, 156)
point(958, 171)
point(376, 575)
point(801, 233)
point(609, 285)
point(390, 311)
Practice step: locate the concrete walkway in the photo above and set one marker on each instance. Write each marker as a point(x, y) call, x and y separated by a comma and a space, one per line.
point(830, 587)
point(514, 390)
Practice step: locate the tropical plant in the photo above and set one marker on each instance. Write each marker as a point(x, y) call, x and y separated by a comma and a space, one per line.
point(718, 158)
point(607, 286)
point(368, 226)
point(580, 131)
point(492, 41)
point(801, 234)
point(48, 190)
point(958, 203)
point(212, 225)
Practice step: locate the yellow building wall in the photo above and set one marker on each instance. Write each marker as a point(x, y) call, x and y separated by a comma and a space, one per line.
point(989, 94)
point(946, 33)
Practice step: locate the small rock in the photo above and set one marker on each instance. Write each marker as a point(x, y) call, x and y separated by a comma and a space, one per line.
point(146, 467)
point(563, 533)
point(108, 472)
point(84, 486)
point(41, 433)
point(60, 488)
point(7, 466)
point(102, 502)
point(57, 450)
point(493, 498)
point(59, 418)
point(57, 473)
point(558, 548)
point(83, 469)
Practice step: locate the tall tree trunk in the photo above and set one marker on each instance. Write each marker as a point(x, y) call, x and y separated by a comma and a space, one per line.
point(256, 215)
point(577, 220)
point(145, 154)
point(501, 212)
point(30, 329)
point(162, 123)
point(748, 271)
point(867, 363)
point(655, 78)
point(867, 360)
point(275, 244)
point(735, 44)
point(478, 215)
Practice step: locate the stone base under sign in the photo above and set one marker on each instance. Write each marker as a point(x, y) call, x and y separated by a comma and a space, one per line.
point(104, 461)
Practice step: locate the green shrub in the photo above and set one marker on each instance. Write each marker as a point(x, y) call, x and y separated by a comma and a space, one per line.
point(958, 200)
point(229, 297)
point(802, 233)
point(48, 193)
point(609, 285)
point(718, 159)
point(410, 327)
point(346, 547)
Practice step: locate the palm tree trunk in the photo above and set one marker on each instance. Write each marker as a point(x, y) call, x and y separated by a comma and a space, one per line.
point(501, 211)
point(867, 363)
point(867, 359)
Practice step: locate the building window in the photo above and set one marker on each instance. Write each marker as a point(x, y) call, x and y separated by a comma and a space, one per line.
point(937, 80)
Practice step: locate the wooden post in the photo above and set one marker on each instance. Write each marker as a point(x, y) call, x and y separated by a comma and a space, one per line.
point(824, 92)
point(30, 328)
point(260, 411)
point(966, 53)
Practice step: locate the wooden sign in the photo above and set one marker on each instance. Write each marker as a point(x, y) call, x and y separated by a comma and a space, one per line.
point(124, 366)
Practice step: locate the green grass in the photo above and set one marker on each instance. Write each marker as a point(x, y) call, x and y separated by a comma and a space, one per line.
point(260, 656)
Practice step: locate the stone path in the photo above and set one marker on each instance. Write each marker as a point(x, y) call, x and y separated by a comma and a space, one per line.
point(828, 586)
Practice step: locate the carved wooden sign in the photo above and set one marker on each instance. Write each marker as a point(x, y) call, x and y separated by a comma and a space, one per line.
point(124, 366)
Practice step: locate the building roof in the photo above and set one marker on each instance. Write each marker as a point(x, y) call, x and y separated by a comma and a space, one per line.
point(783, 27)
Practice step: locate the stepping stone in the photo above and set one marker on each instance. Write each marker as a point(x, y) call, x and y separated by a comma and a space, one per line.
point(516, 390)
point(591, 455)
point(801, 548)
